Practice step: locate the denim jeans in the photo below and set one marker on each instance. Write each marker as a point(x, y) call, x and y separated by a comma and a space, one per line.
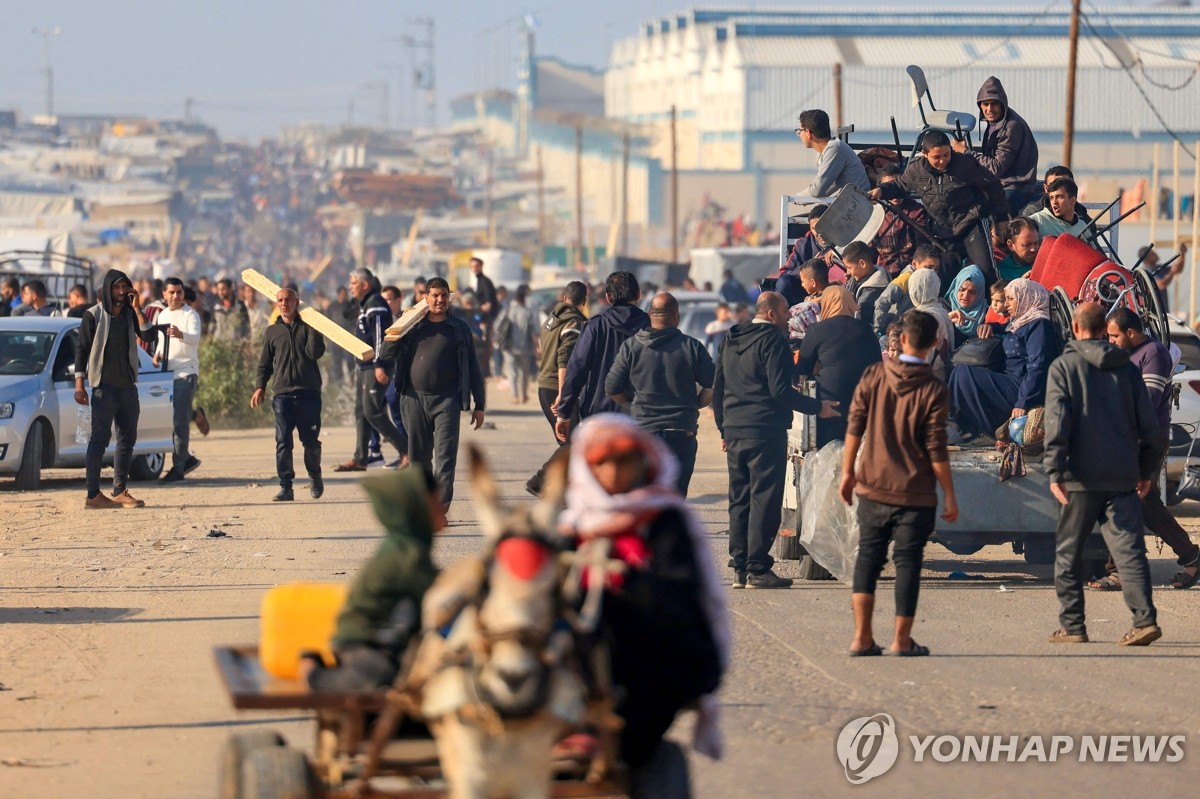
point(109, 405)
point(299, 411)
point(184, 395)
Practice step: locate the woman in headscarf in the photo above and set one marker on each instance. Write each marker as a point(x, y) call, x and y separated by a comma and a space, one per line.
point(664, 615)
point(968, 300)
point(982, 400)
point(836, 351)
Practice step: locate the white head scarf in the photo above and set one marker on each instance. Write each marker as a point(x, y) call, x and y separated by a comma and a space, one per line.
point(924, 288)
point(1031, 302)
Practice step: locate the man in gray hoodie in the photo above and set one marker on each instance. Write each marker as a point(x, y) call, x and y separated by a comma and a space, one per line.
point(1103, 446)
point(665, 377)
point(1008, 150)
point(106, 355)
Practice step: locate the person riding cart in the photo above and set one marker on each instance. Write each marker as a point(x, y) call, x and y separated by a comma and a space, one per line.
point(958, 194)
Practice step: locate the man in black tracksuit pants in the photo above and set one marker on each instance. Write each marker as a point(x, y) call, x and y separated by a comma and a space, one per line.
point(370, 395)
point(753, 402)
point(656, 373)
point(1103, 446)
point(437, 376)
point(290, 352)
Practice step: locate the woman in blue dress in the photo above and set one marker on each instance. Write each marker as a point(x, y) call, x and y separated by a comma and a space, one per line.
point(981, 400)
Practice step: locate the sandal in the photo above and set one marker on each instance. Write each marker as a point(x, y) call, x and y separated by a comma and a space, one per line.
point(349, 466)
point(1110, 582)
point(914, 651)
point(1141, 636)
point(873, 650)
point(1183, 580)
point(1061, 636)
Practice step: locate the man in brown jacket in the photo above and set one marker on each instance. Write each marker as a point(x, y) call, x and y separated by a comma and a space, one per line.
point(898, 415)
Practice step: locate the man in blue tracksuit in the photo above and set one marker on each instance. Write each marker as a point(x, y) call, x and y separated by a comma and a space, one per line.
point(582, 391)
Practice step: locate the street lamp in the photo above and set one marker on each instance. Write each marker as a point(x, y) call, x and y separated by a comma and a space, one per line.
point(47, 72)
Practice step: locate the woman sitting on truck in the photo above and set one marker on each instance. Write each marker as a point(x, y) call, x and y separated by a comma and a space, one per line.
point(981, 400)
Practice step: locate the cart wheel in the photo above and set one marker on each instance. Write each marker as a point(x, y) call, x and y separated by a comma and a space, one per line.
point(1150, 307)
point(235, 752)
point(1039, 550)
point(664, 777)
point(789, 546)
point(1061, 309)
point(277, 772)
point(809, 568)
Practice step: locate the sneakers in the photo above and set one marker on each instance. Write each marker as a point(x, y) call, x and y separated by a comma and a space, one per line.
point(201, 420)
point(172, 477)
point(1061, 636)
point(126, 500)
point(100, 502)
point(191, 464)
point(1141, 636)
point(284, 495)
point(374, 456)
point(739, 579)
point(768, 579)
point(317, 488)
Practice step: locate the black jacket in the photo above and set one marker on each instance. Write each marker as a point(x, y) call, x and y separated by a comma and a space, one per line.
point(1102, 434)
point(470, 377)
point(659, 371)
point(290, 354)
point(1009, 150)
point(374, 317)
point(956, 198)
point(844, 347)
point(752, 391)
point(582, 391)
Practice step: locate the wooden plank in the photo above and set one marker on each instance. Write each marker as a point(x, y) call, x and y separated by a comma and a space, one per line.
point(319, 321)
point(321, 266)
point(407, 321)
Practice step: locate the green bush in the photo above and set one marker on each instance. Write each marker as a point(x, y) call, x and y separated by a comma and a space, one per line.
point(227, 373)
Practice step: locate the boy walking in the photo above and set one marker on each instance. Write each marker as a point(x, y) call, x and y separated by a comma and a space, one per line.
point(898, 416)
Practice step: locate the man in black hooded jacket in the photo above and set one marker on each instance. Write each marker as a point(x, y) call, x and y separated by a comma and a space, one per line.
point(107, 357)
point(582, 391)
point(753, 402)
point(1008, 150)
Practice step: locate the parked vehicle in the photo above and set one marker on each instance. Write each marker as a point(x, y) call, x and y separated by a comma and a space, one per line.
point(39, 417)
point(1185, 413)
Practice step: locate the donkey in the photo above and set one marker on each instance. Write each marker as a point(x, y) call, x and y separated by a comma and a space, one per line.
point(496, 675)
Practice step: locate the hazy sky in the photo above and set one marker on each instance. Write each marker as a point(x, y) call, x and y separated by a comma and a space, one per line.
point(254, 65)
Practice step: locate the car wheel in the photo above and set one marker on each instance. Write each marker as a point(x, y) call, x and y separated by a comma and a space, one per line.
point(29, 476)
point(148, 466)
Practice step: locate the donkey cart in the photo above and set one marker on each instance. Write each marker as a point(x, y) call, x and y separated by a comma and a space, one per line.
point(366, 746)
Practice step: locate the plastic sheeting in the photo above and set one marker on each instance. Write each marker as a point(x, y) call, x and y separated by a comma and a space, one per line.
point(828, 528)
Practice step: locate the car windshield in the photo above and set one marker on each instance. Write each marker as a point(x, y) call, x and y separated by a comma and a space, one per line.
point(24, 353)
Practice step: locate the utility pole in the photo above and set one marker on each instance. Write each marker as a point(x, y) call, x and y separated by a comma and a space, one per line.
point(1072, 59)
point(541, 208)
point(47, 71)
point(625, 195)
point(837, 98)
point(579, 192)
point(674, 191)
point(491, 217)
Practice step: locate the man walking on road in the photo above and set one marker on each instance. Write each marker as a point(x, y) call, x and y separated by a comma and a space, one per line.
point(1103, 445)
point(898, 416)
point(582, 391)
point(180, 342)
point(665, 377)
point(291, 350)
point(753, 402)
point(370, 405)
point(517, 338)
point(107, 357)
point(1153, 360)
point(438, 375)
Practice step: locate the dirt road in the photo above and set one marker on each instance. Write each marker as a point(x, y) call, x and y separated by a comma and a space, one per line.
point(108, 618)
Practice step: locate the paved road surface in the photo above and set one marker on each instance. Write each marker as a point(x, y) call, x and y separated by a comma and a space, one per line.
point(107, 620)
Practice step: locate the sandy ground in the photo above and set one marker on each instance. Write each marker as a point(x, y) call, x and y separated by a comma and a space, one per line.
point(108, 619)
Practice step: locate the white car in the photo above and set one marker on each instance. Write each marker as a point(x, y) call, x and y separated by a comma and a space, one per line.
point(1185, 420)
point(38, 413)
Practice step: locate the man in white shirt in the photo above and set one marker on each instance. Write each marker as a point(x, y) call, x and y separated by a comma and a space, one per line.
point(183, 333)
